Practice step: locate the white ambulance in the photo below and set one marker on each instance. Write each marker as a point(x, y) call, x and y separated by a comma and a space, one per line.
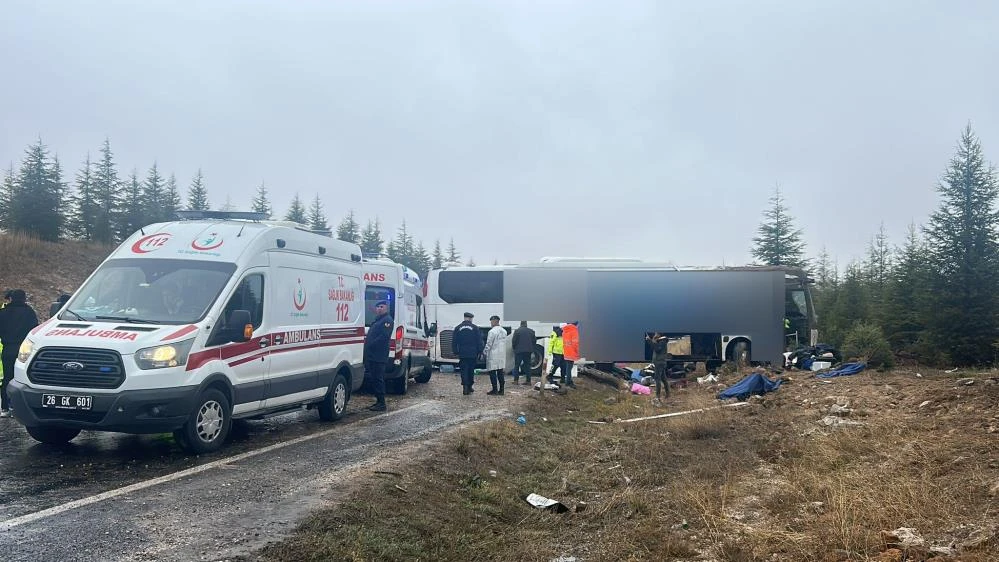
point(190, 324)
point(409, 351)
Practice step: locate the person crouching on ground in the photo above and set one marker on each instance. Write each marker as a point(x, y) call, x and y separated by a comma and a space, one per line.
point(496, 355)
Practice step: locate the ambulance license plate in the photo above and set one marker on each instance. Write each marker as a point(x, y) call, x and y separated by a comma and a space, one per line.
point(62, 402)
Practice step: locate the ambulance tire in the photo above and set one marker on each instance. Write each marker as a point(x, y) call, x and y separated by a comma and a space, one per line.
point(398, 385)
point(334, 406)
point(52, 435)
point(209, 425)
point(425, 374)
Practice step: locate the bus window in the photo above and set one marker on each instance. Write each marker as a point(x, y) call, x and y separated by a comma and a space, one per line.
point(371, 296)
point(457, 287)
point(796, 304)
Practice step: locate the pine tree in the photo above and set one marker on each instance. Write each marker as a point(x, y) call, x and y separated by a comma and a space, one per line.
point(60, 199)
point(86, 209)
point(453, 256)
point(317, 218)
point(154, 207)
point(437, 258)
point(421, 261)
point(401, 250)
point(349, 230)
point(107, 195)
point(296, 211)
point(228, 205)
point(171, 199)
point(824, 270)
point(35, 206)
point(6, 194)
point(133, 216)
point(261, 204)
point(372, 243)
point(904, 313)
point(471, 262)
point(851, 304)
point(779, 243)
point(197, 195)
point(878, 273)
point(964, 250)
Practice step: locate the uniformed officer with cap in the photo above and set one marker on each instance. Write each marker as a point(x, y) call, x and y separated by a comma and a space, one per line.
point(376, 350)
point(468, 345)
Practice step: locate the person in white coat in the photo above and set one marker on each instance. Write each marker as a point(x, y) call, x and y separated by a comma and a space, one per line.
point(496, 355)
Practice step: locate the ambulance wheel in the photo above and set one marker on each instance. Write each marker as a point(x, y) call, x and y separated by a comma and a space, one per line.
point(209, 425)
point(52, 435)
point(424, 376)
point(399, 385)
point(334, 405)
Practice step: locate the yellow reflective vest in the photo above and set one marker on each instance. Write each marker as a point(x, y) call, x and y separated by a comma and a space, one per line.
point(555, 346)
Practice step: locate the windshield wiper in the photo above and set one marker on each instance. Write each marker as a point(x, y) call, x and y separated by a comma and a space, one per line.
point(127, 319)
point(78, 317)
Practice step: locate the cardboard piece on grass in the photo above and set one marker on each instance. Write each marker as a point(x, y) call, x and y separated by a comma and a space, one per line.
point(548, 504)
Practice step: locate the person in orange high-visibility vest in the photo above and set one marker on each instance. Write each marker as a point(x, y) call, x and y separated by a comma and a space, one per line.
point(570, 350)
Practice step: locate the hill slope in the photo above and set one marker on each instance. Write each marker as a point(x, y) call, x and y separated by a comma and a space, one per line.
point(46, 269)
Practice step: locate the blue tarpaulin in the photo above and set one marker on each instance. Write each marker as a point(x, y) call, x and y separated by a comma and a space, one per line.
point(755, 383)
point(636, 375)
point(846, 369)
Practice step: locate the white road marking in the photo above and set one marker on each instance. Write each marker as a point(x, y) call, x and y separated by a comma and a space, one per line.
point(68, 506)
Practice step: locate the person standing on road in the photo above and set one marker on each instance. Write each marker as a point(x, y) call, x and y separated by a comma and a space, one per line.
point(570, 351)
point(467, 344)
point(555, 350)
point(523, 346)
point(660, 360)
point(376, 350)
point(3, 304)
point(17, 319)
point(495, 351)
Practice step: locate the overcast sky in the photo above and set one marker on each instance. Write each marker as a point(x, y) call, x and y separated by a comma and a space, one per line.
point(641, 129)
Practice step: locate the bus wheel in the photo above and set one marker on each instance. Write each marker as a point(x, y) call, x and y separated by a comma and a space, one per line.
point(740, 354)
point(537, 360)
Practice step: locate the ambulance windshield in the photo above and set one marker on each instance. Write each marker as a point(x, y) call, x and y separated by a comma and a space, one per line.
point(154, 291)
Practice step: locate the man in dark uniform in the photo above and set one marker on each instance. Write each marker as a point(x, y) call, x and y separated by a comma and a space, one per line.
point(376, 350)
point(467, 344)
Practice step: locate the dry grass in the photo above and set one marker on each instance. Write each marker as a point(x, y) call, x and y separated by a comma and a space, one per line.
point(46, 269)
point(762, 482)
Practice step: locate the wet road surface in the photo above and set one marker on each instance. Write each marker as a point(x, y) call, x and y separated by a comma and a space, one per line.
point(268, 476)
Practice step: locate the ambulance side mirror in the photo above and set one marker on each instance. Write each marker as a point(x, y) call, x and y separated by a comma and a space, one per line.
point(54, 308)
point(432, 330)
point(236, 327)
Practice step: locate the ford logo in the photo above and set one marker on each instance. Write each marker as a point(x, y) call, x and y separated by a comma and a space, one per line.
point(72, 366)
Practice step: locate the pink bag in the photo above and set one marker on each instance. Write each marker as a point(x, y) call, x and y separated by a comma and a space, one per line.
point(640, 389)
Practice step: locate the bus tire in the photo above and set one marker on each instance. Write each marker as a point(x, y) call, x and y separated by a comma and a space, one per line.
point(425, 374)
point(537, 360)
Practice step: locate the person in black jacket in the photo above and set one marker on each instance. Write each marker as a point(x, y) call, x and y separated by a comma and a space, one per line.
point(376, 350)
point(524, 339)
point(467, 344)
point(17, 319)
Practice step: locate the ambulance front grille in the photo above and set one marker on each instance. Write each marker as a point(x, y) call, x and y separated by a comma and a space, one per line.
point(444, 341)
point(76, 367)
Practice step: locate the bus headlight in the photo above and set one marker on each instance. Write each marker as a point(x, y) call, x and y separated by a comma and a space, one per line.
point(27, 346)
point(163, 356)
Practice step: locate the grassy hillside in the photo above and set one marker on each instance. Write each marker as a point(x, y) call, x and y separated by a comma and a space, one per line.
point(46, 269)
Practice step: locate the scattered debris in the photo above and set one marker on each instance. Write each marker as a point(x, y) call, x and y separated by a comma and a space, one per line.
point(493, 473)
point(903, 537)
point(844, 370)
point(925, 403)
point(388, 472)
point(954, 370)
point(522, 419)
point(400, 488)
point(637, 388)
point(706, 379)
point(836, 421)
point(674, 414)
point(542, 502)
point(965, 382)
point(838, 410)
point(611, 400)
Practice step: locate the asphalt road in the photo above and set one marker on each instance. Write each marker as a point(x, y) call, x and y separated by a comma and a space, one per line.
point(109, 496)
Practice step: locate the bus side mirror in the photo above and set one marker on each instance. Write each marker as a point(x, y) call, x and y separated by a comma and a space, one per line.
point(238, 326)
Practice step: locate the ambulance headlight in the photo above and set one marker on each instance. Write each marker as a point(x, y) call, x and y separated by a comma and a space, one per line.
point(27, 346)
point(163, 356)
